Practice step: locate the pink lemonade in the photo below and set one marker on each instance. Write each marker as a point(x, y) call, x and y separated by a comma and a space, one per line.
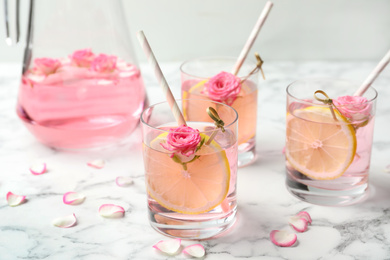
point(77, 107)
point(245, 104)
point(196, 201)
point(328, 147)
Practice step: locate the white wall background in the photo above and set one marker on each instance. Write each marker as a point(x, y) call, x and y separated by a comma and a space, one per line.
point(295, 30)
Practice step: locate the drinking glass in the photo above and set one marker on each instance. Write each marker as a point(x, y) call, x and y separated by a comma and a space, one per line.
point(191, 193)
point(195, 75)
point(328, 144)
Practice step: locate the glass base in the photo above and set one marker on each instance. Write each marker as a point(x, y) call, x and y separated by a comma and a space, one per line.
point(246, 157)
point(170, 225)
point(325, 197)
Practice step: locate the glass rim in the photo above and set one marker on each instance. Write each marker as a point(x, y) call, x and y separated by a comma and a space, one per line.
point(202, 58)
point(305, 101)
point(181, 100)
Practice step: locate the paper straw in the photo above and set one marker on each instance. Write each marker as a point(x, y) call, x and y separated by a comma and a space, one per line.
point(252, 37)
point(373, 75)
point(160, 78)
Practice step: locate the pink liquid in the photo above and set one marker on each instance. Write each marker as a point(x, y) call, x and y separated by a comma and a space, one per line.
point(78, 108)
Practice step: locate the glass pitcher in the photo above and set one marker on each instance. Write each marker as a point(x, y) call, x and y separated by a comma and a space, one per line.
point(81, 86)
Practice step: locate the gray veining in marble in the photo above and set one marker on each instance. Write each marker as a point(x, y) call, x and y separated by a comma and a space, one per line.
point(347, 233)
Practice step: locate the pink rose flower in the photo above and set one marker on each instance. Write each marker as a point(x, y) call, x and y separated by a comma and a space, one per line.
point(46, 66)
point(182, 140)
point(104, 63)
point(82, 58)
point(354, 108)
point(223, 87)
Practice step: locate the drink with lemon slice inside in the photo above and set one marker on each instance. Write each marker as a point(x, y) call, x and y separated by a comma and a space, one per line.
point(328, 147)
point(190, 179)
point(209, 78)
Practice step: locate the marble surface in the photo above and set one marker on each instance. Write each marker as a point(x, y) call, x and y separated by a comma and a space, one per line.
point(346, 233)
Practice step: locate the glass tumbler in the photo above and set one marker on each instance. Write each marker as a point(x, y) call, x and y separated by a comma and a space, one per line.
point(329, 137)
point(190, 171)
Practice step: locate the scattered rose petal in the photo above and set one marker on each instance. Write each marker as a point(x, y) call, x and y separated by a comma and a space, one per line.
point(98, 164)
point(305, 215)
point(298, 223)
point(38, 168)
point(73, 198)
point(196, 250)
point(15, 200)
point(283, 238)
point(111, 211)
point(122, 181)
point(65, 222)
point(169, 247)
point(387, 169)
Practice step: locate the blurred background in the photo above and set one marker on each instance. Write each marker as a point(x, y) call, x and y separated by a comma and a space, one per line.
point(299, 30)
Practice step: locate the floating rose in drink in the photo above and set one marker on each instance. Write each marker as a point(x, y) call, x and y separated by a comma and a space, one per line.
point(223, 87)
point(182, 142)
point(82, 58)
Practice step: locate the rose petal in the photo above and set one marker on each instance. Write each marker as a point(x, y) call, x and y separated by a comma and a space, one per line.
point(305, 215)
point(111, 211)
point(38, 168)
point(122, 181)
point(73, 198)
point(283, 238)
point(169, 247)
point(298, 223)
point(65, 222)
point(196, 250)
point(98, 164)
point(15, 200)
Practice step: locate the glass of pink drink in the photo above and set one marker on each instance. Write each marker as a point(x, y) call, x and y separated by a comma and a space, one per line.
point(190, 179)
point(210, 78)
point(328, 147)
point(84, 100)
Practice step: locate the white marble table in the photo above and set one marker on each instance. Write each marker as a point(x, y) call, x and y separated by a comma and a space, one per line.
point(356, 232)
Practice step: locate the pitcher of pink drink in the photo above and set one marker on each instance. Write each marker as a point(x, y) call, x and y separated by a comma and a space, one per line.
point(80, 86)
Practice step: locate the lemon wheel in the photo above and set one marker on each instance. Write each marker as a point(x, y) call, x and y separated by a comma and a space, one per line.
point(200, 188)
point(317, 145)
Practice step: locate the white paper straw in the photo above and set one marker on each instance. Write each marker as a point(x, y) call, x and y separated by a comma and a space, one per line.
point(373, 75)
point(160, 78)
point(252, 37)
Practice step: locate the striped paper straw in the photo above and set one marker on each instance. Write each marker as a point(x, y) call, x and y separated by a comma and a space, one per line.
point(160, 78)
point(373, 75)
point(252, 37)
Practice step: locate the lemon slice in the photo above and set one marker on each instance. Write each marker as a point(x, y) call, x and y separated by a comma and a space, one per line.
point(202, 187)
point(317, 145)
point(193, 92)
point(245, 105)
